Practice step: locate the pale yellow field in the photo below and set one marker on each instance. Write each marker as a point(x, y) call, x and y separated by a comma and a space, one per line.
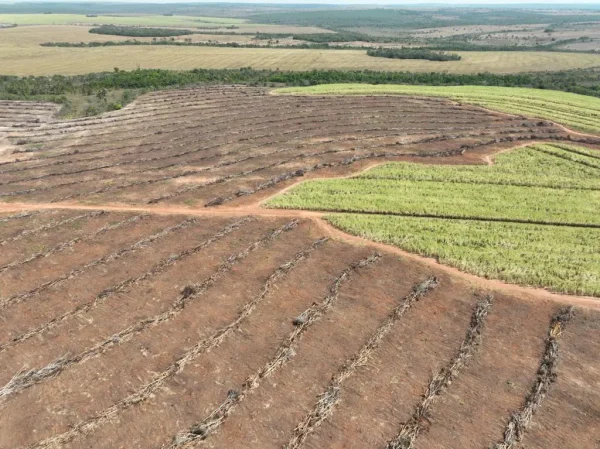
point(21, 54)
point(191, 22)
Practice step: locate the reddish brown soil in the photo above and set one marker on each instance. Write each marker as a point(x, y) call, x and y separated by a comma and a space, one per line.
point(127, 392)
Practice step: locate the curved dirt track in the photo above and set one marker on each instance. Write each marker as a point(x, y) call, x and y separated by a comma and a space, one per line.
point(133, 316)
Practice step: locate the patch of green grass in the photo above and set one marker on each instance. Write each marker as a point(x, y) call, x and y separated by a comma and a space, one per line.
point(530, 166)
point(579, 112)
point(563, 259)
point(528, 185)
point(483, 219)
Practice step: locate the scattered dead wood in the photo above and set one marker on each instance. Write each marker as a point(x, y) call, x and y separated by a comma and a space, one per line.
point(199, 348)
point(323, 409)
point(94, 263)
point(27, 378)
point(19, 216)
point(49, 226)
point(64, 245)
point(546, 376)
point(409, 431)
point(160, 267)
point(283, 354)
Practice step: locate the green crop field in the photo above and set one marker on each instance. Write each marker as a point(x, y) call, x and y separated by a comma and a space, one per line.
point(579, 112)
point(531, 218)
point(563, 259)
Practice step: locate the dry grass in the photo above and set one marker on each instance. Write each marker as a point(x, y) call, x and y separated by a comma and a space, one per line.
point(21, 55)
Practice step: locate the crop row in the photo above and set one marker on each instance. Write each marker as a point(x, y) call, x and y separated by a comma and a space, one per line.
point(580, 111)
point(561, 258)
point(230, 109)
point(528, 166)
point(200, 347)
point(14, 299)
point(209, 132)
point(121, 286)
point(27, 378)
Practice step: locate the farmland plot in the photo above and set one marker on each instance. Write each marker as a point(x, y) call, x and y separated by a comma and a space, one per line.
point(134, 316)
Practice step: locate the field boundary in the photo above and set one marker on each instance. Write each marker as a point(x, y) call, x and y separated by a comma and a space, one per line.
point(527, 293)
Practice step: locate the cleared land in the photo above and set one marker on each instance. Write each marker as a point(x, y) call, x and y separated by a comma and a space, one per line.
point(531, 218)
point(580, 112)
point(167, 325)
point(22, 55)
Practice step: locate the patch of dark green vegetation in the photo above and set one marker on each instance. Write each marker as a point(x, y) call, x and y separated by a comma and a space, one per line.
point(462, 44)
point(412, 53)
point(187, 43)
point(95, 93)
point(133, 31)
point(414, 19)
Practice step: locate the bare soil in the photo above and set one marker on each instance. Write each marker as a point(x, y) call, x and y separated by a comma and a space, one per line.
point(143, 315)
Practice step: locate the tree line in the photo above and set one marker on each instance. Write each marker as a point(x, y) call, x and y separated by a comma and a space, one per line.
point(412, 53)
point(56, 87)
point(132, 31)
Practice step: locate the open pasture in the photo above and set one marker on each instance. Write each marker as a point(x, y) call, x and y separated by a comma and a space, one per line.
point(22, 55)
point(147, 301)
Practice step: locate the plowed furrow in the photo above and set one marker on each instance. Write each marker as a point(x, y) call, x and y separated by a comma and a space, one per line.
point(6, 302)
point(242, 110)
point(409, 431)
point(160, 267)
point(323, 409)
point(546, 376)
point(69, 244)
point(270, 124)
point(50, 226)
point(27, 378)
point(202, 346)
point(285, 352)
point(19, 216)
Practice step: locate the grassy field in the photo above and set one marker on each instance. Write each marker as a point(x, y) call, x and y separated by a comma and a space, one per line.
point(147, 20)
point(525, 188)
point(22, 55)
point(576, 111)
